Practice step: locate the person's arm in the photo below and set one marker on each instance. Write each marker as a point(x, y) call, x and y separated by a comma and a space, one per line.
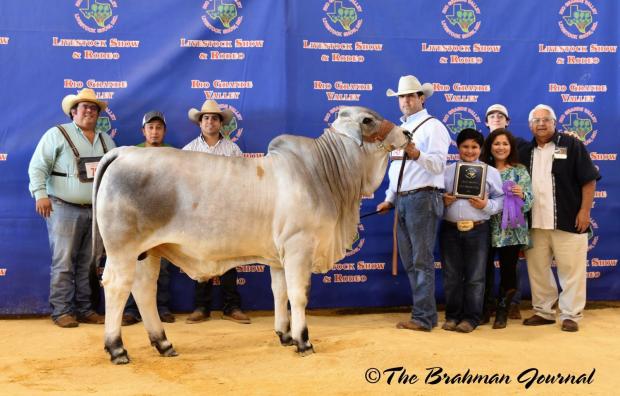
point(433, 160)
point(39, 170)
point(495, 194)
point(582, 222)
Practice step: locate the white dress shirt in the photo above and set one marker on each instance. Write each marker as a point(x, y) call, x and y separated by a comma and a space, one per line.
point(542, 187)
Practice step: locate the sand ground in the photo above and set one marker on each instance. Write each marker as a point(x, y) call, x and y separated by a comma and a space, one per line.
point(222, 357)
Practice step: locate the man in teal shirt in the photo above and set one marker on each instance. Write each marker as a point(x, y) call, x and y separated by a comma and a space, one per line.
point(154, 131)
point(63, 199)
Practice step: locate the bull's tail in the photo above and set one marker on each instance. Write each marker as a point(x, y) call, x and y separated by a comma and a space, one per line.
point(101, 168)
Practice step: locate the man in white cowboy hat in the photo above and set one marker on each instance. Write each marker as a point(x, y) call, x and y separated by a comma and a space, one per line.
point(211, 119)
point(419, 203)
point(61, 171)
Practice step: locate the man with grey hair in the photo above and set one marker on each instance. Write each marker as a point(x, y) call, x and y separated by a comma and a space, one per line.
point(563, 183)
point(419, 201)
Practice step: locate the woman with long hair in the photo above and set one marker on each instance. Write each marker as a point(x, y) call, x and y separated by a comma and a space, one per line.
point(509, 229)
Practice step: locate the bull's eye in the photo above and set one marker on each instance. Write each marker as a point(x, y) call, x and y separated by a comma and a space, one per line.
point(367, 121)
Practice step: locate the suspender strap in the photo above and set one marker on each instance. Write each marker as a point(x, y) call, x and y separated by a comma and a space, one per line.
point(76, 153)
point(395, 228)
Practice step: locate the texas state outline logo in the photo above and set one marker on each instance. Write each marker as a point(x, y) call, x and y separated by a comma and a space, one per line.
point(459, 118)
point(578, 19)
point(96, 16)
point(231, 130)
point(581, 121)
point(222, 16)
point(104, 123)
point(342, 17)
point(461, 18)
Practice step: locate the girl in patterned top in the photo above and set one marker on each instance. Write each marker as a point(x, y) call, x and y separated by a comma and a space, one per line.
point(509, 230)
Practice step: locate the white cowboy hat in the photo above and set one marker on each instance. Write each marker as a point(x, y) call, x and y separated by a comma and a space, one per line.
point(498, 108)
point(85, 95)
point(211, 107)
point(410, 84)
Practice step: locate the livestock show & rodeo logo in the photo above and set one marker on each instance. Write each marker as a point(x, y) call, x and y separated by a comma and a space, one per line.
point(459, 118)
point(222, 17)
point(231, 130)
point(580, 121)
point(104, 123)
point(461, 18)
point(577, 19)
point(342, 18)
point(357, 243)
point(96, 16)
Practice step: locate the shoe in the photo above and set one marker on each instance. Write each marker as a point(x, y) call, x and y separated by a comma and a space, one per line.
point(450, 325)
point(464, 327)
point(569, 325)
point(501, 319)
point(66, 321)
point(514, 312)
point(129, 320)
point(93, 318)
point(167, 317)
point(198, 316)
point(536, 320)
point(236, 315)
point(411, 325)
point(486, 317)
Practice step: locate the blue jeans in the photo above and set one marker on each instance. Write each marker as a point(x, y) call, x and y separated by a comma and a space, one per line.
point(418, 216)
point(464, 256)
point(70, 236)
point(163, 293)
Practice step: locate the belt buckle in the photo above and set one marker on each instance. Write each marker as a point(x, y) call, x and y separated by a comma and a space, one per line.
point(464, 225)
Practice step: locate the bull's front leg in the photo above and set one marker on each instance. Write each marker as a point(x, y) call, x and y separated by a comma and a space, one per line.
point(282, 323)
point(144, 291)
point(117, 279)
point(297, 274)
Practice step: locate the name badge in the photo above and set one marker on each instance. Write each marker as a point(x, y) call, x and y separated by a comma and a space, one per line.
point(560, 153)
point(91, 167)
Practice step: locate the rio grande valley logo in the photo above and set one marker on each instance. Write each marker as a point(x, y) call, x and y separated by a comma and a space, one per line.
point(580, 121)
point(331, 115)
point(342, 18)
point(593, 235)
point(577, 19)
point(232, 130)
point(222, 17)
point(357, 243)
point(459, 118)
point(461, 18)
point(104, 123)
point(96, 16)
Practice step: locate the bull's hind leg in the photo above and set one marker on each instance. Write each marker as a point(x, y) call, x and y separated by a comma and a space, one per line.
point(117, 279)
point(282, 322)
point(297, 274)
point(144, 291)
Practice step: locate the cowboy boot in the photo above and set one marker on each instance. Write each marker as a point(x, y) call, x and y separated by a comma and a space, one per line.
point(501, 316)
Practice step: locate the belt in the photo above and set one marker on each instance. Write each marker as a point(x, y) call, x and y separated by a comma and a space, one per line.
point(464, 225)
point(399, 158)
point(87, 206)
point(417, 190)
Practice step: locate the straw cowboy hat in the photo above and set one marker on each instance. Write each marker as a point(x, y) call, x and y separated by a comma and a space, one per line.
point(410, 84)
point(211, 107)
point(85, 95)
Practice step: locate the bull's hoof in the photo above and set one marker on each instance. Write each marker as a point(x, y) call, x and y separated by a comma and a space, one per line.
point(305, 350)
point(121, 359)
point(169, 353)
point(285, 338)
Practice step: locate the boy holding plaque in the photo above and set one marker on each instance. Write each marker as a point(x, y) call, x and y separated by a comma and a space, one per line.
point(473, 194)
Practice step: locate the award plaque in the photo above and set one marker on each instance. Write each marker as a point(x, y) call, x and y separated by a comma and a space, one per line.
point(470, 179)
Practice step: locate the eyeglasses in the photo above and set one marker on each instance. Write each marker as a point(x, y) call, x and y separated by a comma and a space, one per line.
point(91, 107)
point(544, 120)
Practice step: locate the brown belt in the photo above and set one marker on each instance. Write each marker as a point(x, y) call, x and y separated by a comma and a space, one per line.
point(87, 206)
point(463, 226)
point(399, 158)
point(417, 190)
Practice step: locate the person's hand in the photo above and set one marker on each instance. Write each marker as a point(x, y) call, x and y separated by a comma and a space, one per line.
point(582, 222)
point(384, 207)
point(479, 203)
point(448, 199)
point(518, 190)
point(44, 207)
point(412, 151)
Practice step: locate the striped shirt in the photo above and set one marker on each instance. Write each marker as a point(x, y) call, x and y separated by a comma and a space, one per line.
point(224, 147)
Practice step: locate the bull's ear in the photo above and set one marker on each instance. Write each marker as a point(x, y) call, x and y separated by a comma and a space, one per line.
point(349, 129)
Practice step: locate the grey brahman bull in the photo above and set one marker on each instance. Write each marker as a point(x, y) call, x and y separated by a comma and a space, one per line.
point(296, 210)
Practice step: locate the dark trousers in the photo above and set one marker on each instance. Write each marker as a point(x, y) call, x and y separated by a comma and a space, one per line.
point(231, 299)
point(509, 275)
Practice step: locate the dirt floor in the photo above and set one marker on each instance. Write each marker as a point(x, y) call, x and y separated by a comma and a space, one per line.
point(222, 357)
